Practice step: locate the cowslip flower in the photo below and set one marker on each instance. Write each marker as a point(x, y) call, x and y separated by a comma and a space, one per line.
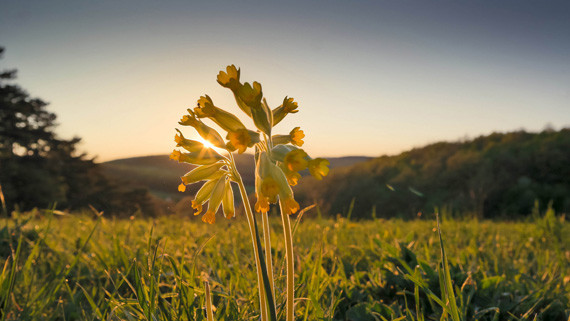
point(227, 121)
point(318, 167)
point(204, 157)
point(215, 200)
point(289, 106)
point(242, 139)
point(205, 131)
point(252, 95)
point(295, 137)
point(278, 162)
point(296, 160)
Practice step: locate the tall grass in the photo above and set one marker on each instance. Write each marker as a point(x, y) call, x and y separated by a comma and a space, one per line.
point(87, 267)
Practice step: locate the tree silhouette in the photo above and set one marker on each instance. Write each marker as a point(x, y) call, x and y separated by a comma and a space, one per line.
point(38, 169)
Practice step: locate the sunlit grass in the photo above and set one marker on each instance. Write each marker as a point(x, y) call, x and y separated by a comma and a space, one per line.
point(145, 269)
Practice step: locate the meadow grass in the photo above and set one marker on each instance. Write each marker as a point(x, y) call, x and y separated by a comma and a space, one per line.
point(95, 268)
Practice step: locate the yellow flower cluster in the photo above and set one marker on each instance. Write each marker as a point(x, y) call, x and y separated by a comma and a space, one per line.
point(278, 158)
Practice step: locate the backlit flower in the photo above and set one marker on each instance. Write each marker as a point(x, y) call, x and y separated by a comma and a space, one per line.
point(228, 205)
point(289, 106)
point(242, 139)
point(318, 167)
point(295, 160)
point(228, 121)
point(295, 137)
point(260, 113)
point(204, 172)
point(230, 78)
point(205, 131)
point(205, 156)
point(215, 201)
point(292, 177)
point(202, 196)
point(289, 205)
point(187, 144)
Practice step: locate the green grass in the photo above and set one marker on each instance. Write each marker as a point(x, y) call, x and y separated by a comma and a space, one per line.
point(84, 267)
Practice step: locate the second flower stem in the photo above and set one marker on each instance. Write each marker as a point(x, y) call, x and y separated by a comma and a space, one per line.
point(290, 313)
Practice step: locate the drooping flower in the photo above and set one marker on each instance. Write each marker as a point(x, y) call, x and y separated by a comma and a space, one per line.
point(242, 139)
point(295, 160)
point(295, 137)
point(289, 106)
point(205, 131)
point(260, 113)
point(228, 121)
point(205, 156)
point(215, 200)
point(266, 187)
point(230, 78)
point(228, 205)
point(204, 172)
point(187, 144)
point(202, 196)
point(318, 167)
point(292, 177)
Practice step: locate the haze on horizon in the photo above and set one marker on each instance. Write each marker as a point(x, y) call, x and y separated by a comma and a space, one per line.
point(370, 78)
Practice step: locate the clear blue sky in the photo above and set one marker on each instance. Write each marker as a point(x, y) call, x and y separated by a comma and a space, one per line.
point(371, 78)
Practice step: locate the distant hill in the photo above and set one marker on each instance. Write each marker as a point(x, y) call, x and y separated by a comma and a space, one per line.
point(161, 175)
point(501, 174)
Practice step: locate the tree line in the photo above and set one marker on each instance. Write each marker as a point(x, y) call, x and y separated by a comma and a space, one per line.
point(498, 175)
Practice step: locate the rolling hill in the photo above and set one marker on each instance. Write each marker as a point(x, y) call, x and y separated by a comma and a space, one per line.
point(161, 175)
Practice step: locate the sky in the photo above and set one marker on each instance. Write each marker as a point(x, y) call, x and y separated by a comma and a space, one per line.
point(370, 77)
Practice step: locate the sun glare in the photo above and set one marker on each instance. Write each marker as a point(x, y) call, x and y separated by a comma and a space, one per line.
point(206, 143)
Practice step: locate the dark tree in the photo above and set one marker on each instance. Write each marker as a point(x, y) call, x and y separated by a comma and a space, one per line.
point(38, 169)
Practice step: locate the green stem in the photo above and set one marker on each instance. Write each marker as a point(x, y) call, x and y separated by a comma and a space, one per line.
point(290, 264)
point(268, 258)
point(250, 221)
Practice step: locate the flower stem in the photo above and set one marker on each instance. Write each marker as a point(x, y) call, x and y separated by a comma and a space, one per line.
point(250, 221)
point(290, 264)
point(268, 258)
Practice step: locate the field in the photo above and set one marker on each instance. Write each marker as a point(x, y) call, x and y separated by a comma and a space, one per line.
point(96, 268)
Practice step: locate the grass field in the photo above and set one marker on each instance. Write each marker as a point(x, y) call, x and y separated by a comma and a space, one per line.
point(82, 267)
